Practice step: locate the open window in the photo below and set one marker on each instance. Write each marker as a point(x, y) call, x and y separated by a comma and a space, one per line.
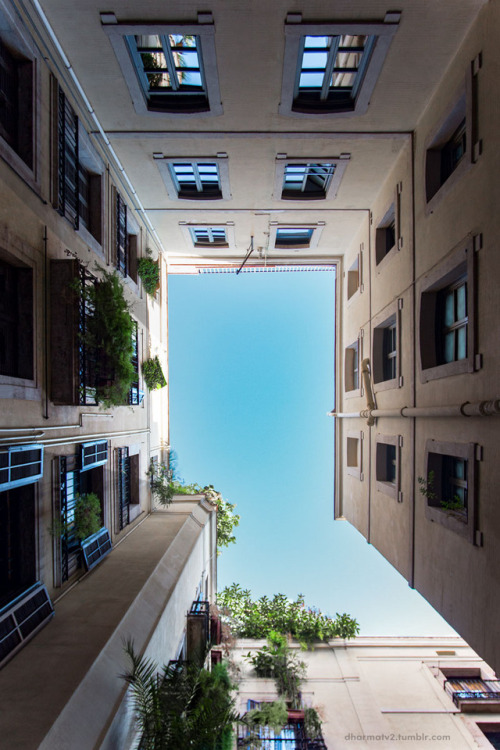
point(449, 486)
point(294, 237)
point(169, 68)
point(332, 68)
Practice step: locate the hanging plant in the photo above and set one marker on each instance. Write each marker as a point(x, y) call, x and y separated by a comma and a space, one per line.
point(153, 374)
point(149, 272)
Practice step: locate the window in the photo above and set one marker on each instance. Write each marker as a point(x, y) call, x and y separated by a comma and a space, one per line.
point(387, 466)
point(455, 145)
point(332, 68)
point(492, 733)
point(385, 236)
point(208, 236)
point(20, 465)
point(16, 96)
point(195, 179)
point(354, 456)
point(16, 320)
point(294, 237)
point(353, 278)
point(308, 179)
point(351, 367)
point(385, 352)
point(94, 454)
point(22, 618)
point(465, 689)
point(447, 316)
point(449, 486)
point(125, 241)
point(168, 68)
point(77, 179)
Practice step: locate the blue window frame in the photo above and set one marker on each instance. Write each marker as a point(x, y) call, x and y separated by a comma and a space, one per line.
point(170, 70)
point(330, 70)
point(208, 236)
point(293, 237)
point(307, 180)
point(199, 181)
point(93, 454)
point(20, 465)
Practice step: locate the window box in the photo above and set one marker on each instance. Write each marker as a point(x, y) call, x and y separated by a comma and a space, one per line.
point(169, 68)
point(451, 475)
point(332, 68)
point(447, 326)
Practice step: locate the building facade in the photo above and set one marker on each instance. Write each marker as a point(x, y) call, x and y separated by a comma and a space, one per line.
point(347, 135)
point(386, 692)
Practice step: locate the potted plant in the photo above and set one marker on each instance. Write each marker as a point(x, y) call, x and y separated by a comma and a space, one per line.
point(149, 273)
point(153, 374)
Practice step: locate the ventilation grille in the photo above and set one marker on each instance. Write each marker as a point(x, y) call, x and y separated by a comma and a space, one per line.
point(96, 547)
point(22, 619)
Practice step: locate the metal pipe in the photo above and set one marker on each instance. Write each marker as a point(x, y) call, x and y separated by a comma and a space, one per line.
point(74, 438)
point(479, 409)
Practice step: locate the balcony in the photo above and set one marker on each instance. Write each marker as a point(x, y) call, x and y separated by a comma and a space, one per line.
point(292, 735)
point(473, 694)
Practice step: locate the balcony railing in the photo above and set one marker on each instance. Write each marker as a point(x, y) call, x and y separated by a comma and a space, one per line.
point(291, 737)
point(478, 691)
point(87, 359)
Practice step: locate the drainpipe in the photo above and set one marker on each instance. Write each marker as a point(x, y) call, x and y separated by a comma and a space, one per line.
point(466, 409)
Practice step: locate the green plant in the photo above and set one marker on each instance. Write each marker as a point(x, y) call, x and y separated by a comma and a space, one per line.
point(181, 707)
point(162, 488)
point(257, 618)
point(274, 715)
point(279, 661)
point(312, 723)
point(153, 374)
point(149, 272)
point(87, 515)
point(427, 486)
point(108, 333)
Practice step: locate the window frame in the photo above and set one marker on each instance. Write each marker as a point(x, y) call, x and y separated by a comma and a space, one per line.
point(88, 161)
point(275, 227)
point(459, 263)
point(13, 449)
point(464, 105)
point(187, 231)
point(165, 165)
point(204, 29)
point(351, 354)
point(389, 317)
point(283, 161)
point(94, 464)
point(469, 452)
point(393, 489)
point(354, 278)
point(16, 38)
point(295, 29)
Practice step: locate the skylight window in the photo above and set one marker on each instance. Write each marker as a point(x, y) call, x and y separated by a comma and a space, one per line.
point(307, 180)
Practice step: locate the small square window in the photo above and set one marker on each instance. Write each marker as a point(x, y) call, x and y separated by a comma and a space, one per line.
point(209, 236)
point(351, 371)
point(195, 179)
point(385, 237)
point(308, 179)
point(168, 68)
point(353, 279)
point(332, 68)
point(289, 237)
point(447, 314)
point(449, 486)
point(387, 466)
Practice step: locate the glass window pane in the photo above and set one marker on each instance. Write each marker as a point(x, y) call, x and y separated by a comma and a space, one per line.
point(311, 80)
point(462, 342)
point(449, 309)
point(317, 41)
point(191, 78)
point(314, 60)
point(461, 302)
point(190, 59)
point(343, 80)
point(449, 347)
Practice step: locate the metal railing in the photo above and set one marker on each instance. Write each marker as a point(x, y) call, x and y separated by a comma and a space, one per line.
point(87, 357)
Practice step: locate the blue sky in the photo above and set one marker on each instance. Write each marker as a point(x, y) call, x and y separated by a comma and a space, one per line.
point(251, 381)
